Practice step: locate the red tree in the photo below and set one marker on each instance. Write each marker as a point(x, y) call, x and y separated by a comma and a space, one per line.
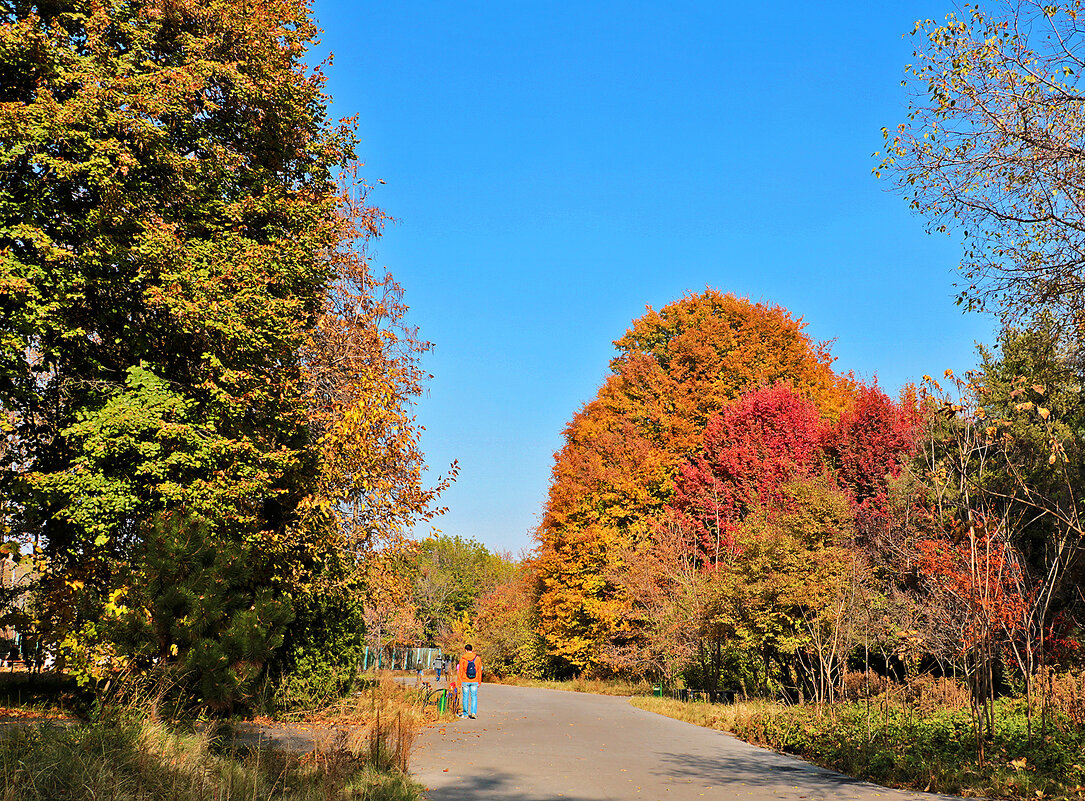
point(772, 436)
point(983, 598)
point(767, 438)
point(870, 444)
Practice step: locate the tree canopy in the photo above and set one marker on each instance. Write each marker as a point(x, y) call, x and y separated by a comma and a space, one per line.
point(992, 149)
point(206, 393)
point(676, 368)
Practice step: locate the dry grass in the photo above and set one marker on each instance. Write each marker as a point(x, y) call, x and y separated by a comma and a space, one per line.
point(360, 750)
point(580, 685)
point(381, 696)
point(1065, 692)
point(722, 717)
point(382, 720)
point(150, 761)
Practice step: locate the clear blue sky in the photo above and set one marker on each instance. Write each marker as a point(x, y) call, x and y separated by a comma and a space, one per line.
point(556, 167)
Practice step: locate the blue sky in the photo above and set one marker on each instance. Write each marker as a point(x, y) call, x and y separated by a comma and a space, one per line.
point(556, 167)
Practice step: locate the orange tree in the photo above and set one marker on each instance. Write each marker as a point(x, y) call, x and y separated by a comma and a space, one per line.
point(675, 369)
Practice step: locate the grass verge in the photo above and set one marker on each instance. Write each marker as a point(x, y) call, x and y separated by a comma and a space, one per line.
point(578, 685)
point(895, 747)
point(360, 751)
point(151, 761)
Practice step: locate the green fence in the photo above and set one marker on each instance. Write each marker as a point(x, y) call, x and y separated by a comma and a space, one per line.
point(392, 658)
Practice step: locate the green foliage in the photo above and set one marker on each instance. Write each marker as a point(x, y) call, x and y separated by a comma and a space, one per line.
point(897, 747)
point(323, 653)
point(140, 451)
point(1005, 461)
point(162, 233)
point(736, 669)
point(936, 751)
point(204, 393)
point(1030, 386)
point(785, 575)
point(450, 574)
point(203, 609)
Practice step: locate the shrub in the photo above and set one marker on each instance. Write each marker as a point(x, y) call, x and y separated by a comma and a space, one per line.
point(899, 746)
point(856, 684)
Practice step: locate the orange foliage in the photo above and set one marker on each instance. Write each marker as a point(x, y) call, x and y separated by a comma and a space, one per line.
point(979, 577)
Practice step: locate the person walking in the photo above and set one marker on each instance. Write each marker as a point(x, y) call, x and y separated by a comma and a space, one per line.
point(469, 673)
point(438, 664)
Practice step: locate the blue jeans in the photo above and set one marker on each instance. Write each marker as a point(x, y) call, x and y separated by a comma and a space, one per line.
point(470, 698)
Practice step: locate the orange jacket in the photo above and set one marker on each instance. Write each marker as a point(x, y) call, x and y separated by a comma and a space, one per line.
point(461, 670)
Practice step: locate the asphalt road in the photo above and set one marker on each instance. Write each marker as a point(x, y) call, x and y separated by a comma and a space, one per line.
point(535, 745)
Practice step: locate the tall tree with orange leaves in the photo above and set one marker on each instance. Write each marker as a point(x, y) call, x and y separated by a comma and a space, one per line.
point(675, 369)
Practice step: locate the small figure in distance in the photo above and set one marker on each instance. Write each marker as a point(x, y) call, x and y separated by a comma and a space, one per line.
point(438, 664)
point(469, 674)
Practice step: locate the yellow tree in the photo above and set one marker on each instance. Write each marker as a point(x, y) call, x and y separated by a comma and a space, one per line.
point(361, 374)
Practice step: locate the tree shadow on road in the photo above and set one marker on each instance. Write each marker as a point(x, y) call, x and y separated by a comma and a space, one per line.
point(775, 773)
point(496, 785)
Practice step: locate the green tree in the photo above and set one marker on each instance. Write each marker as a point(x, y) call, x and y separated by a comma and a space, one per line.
point(170, 227)
point(782, 591)
point(1004, 463)
point(450, 574)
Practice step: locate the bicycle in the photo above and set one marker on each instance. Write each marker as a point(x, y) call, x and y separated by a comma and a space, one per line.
point(433, 696)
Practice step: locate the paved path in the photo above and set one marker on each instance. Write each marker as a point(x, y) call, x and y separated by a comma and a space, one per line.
point(538, 745)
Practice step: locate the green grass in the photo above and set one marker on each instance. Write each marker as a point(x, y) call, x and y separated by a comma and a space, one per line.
point(934, 751)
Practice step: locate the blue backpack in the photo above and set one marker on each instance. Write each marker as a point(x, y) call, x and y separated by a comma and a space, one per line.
point(470, 672)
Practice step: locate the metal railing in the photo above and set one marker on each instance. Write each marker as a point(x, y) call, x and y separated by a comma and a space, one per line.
point(394, 658)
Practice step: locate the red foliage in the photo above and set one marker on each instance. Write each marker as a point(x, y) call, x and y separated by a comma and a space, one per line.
point(981, 574)
point(869, 444)
point(767, 438)
point(772, 436)
point(1062, 639)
